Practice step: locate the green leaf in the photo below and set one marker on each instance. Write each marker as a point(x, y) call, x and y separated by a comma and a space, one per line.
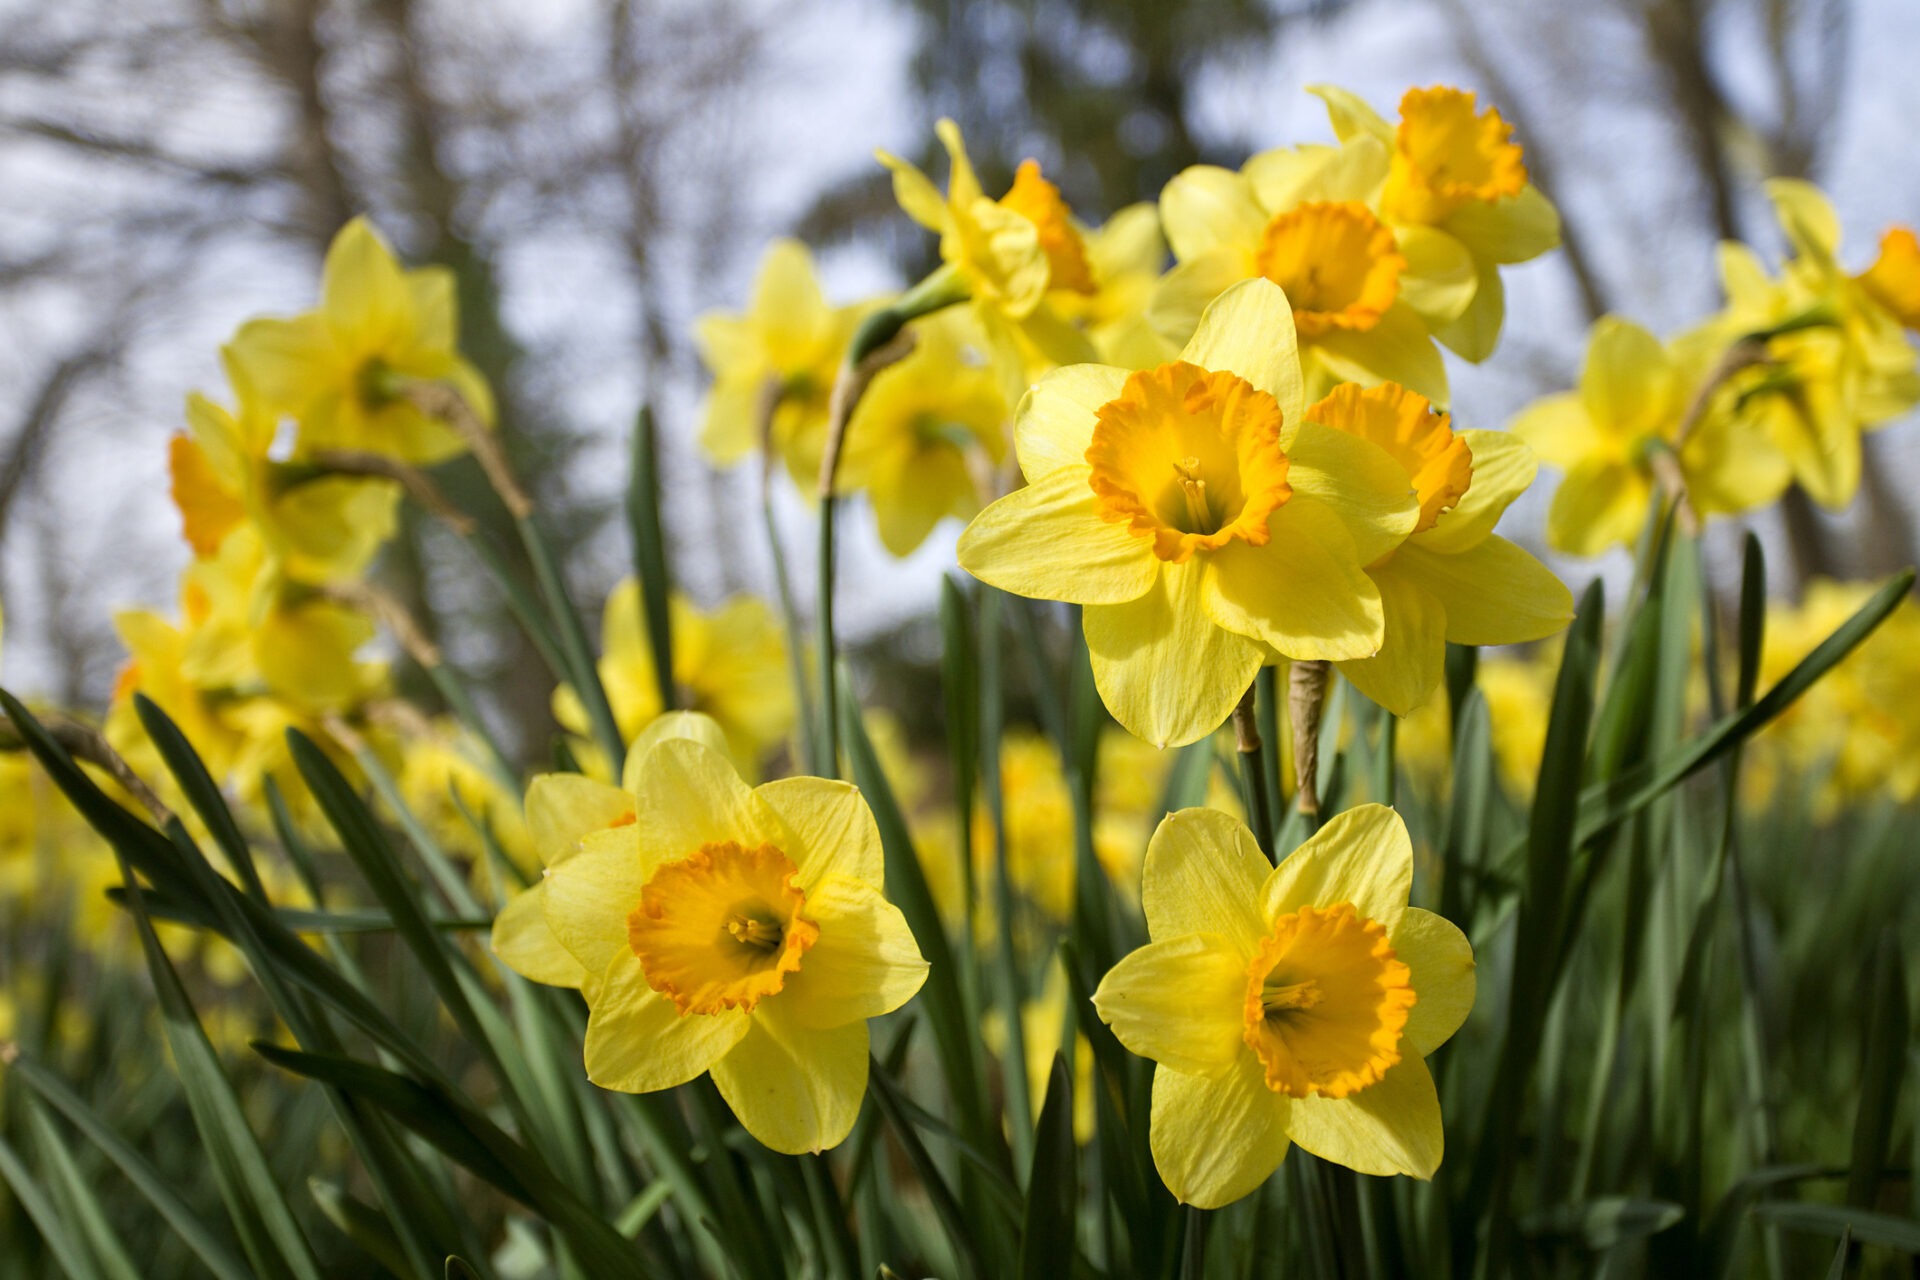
point(583, 670)
point(650, 553)
point(959, 1231)
point(361, 1223)
point(1883, 1058)
point(1837, 1270)
point(1602, 1223)
point(1053, 1191)
point(1835, 1220)
point(201, 791)
point(66, 1250)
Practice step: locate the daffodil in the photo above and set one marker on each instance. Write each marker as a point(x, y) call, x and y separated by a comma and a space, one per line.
point(1206, 528)
point(1287, 1004)
point(1366, 296)
point(729, 663)
point(1007, 255)
point(717, 928)
point(1631, 403)
point(787, 344)
point(1453, 579)
point(339, 371)
point(922, 427)
point(1126, 254)
point(320, 527)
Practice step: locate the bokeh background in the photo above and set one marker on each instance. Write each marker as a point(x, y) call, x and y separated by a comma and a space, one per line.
point(600, 172)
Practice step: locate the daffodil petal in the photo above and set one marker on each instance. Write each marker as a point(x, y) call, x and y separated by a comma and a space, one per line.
point(589, 896)
point(1350, 114)
point(690, 725)
point(1503, 467)
point(1304, 593)
point(1248, 330)
point(1167, 673)
point(1397, 349)
point(1202, 875)
point(1511, 230)
point(1179, 1002)
point(1599, 504)
point(362, 291)
point(1475, 332)
point(689, 795)
point(865, 963)
point(1443, 977)
point(832, 828)
point(525, 942)
point(1627, 381)
point(287, 362)
point(796, 1089)
point(1048, 542)
point(1440, 279)
point(1362, 856)
point(1413, 653)
point(1494, 593)
point(1359, 482)
point(1217, 1139)
point(1387, 1128)
point(1182, 295)
point(915, 192)
point(1808, 218)
point(1206, 207)
point(638, 1042)
point(1558, 429)
point(1054, 424)
point(562, 807)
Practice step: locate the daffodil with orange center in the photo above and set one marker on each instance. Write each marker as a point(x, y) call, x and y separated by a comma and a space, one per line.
point(1453, 579)
point(714, 927)
point(338, 370)
point(1287, 1004)
point(1010, 256)
point(1366, 297)
point(1206, 528)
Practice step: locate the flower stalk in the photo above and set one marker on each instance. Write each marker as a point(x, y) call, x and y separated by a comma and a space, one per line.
point(1306, 698)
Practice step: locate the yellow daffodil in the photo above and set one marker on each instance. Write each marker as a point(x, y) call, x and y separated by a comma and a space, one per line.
point(1203, 524)
point(1126, 255)
point(1287, 1004)
point(1453, 579)
point(788, 343)
point(1457, 195)
point(337, 370)
point(1366, 296)
point(320, 527)
point(717, 928)
point(1008, 255)
point(730, 664)
point(920, 429)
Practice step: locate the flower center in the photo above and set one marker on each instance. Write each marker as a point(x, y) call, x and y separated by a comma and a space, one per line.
point(1337, 263)
point(1447, 155)
point(1039, 202)
point(1326, 1002)
point(1189, 458)
point(721, 928)
point(1439, 464)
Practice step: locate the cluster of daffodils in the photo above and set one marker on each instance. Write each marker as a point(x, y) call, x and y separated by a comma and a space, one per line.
point(1774, 391)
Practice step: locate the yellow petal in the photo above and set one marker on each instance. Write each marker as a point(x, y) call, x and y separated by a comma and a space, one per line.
point(1599, 504)
point(917, 195)
point(1203, 874)
point(287, 362)
point(1216, 1140)
point(689, 725)
point(1350, 114)
point(1494, 593)
point(1443, 977)
point(1206, 207)
point(1359, 482)
point(1440, 278)
point(1054, 424)
point(865, 962)
point(1182, 295)
point(1475, 332)
point(1512, 230)
point(1397, 349)
point(1005, 247)
point(1180, 1002)
point(832, 829)
point(1413, 653)
point(1303, 594)
point(794, 318)
point(589, 896)
point(363, 293)
point(638, 1042)
point(1248, 330)
point(796, 1090)
point(1558, 429)
point(1627, 381)
point(1362, 856)
point(1503, 467)
point(689, 795)
point(1807, 216)
point(526, 944)
point(1048, 542)
point(1387, 1128)
point(432, 294)
point(563, 807)
point(1165, 671)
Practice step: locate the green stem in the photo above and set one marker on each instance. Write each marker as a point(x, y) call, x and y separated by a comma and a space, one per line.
point(1246, 732)
point(573, 643)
